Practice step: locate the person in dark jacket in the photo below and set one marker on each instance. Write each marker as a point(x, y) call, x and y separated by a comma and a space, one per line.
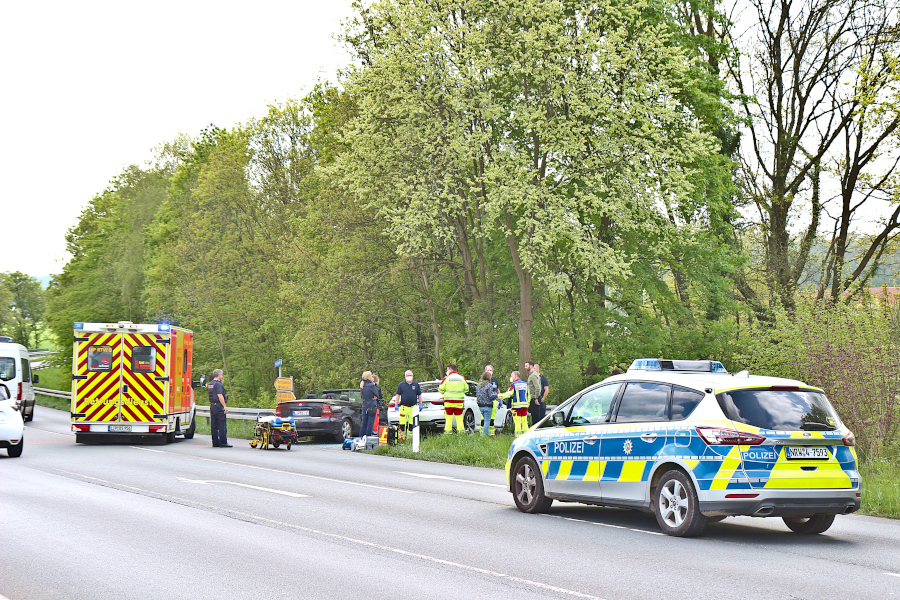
point(218, 408)
point(370, 394)
point(486, 396)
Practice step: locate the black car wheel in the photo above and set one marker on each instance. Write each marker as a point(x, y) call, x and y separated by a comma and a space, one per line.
point(528, 487)
point(809, 525)
point(346, 431)
point(677, 507)
point(16, 451)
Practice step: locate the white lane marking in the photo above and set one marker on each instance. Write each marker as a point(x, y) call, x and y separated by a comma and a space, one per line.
point(368, 485)
point(2, 597)
point(893, 574)
point(605, 524)
point(244, 485)
point(440, 561)
point(444, 477)
point(101, 480)
point(148, 449)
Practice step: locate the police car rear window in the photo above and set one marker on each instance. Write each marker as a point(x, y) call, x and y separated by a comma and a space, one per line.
point(779, 409)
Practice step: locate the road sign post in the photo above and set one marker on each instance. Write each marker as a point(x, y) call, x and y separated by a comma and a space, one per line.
point(278, 364)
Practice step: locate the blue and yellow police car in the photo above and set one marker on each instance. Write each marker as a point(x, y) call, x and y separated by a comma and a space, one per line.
point(692, 444)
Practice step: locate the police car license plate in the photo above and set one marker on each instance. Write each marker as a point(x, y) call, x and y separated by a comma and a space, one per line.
point(120, 427)
point(807, 453)
point(301, 413)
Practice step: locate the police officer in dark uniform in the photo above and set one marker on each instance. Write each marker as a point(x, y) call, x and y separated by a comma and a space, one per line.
point(218, 406)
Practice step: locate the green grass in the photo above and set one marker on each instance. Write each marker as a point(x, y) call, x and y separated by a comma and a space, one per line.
point(881, 488)
point(51, 402)
point(54, 379)
point(474, 449)
point(237, 428)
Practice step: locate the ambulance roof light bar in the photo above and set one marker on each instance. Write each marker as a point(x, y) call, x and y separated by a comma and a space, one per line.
point(691, 366)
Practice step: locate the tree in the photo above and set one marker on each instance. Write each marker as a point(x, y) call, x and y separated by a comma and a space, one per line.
point(26, 305)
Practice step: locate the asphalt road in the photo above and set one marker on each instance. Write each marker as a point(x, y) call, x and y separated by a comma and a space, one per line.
point(190, 521)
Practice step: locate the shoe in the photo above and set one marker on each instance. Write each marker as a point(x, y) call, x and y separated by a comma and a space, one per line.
point(215, 445)
point(225, 446)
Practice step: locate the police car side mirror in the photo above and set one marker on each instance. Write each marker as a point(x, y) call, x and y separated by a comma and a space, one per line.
point(559, 419)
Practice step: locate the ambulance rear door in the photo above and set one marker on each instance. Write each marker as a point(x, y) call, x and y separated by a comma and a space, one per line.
point(144, 377)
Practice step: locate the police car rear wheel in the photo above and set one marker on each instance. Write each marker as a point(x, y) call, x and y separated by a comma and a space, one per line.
point(677, 508)
point(528, 487)
point(810, 525)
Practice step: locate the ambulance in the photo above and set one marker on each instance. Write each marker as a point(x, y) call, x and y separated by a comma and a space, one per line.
point(132, 380)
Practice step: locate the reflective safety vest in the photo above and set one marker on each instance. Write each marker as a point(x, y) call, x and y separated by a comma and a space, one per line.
point(519, 392)
point(454, 387)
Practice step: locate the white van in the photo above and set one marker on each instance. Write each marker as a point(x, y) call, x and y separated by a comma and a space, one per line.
point(16, 377)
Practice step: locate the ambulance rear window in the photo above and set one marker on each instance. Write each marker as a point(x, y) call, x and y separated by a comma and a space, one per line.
point(780, 409)
point(143, 359)
point(7, 368)
point(99, 358)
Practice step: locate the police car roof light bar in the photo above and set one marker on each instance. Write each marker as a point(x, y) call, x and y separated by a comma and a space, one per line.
point(664, 364)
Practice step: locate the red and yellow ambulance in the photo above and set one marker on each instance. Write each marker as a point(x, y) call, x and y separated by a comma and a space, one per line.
point(131, 379)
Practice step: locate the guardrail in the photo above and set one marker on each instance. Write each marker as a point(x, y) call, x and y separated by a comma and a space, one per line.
point(242, 414)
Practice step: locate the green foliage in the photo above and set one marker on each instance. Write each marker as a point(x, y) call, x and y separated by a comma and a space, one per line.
point(474, 450)
point(22, 306)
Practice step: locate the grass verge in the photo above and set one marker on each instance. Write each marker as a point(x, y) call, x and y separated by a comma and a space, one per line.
point(474, 450)
point(881, 488)
point(51, 402)
point(242, 430)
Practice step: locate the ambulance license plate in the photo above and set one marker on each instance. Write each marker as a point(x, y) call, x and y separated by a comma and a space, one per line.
point(120, 428)
point(806, 453)
point(301, 413)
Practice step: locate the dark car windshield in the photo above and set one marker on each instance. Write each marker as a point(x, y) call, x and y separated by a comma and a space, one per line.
point(780, 409)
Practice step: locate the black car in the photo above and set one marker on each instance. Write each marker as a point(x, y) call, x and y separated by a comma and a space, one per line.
point(334, 414)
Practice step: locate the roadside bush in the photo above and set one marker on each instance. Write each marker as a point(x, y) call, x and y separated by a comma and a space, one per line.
point(849, 350)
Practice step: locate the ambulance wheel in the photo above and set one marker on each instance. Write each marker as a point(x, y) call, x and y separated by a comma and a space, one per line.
point(189, 434)
point(677, 507)
point(809, 525)
point(528, 487)
point(170, 437)
point(16, 451)
point(469, 421)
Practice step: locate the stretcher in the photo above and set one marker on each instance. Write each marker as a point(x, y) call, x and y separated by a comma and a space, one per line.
point(274, 431)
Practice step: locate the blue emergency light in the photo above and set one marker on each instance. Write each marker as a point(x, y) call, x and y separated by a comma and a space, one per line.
point(164, 327)
point(691, 366)
point(79, 326)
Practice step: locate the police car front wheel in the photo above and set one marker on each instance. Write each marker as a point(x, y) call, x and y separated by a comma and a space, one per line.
point(677, 507)
point(528, 487)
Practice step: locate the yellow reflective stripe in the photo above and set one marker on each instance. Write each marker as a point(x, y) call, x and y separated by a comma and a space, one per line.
point(565, 467)
point(545, 466)
point(691, 464)
point(790, 475)
point(594, 470)
point(726, 471)
point(632, 470)
point(807, 435)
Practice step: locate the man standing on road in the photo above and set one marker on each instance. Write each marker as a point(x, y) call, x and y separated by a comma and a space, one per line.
point(453, 389)
point(534, 391)
point(218, 408)
point(407, 397)
point(545, 390)
point(518, 391)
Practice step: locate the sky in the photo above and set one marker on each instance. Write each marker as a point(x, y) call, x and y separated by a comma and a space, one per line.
point(91, 87)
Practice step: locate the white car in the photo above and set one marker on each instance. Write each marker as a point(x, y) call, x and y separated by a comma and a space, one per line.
point(12, 427)
point(432, 413)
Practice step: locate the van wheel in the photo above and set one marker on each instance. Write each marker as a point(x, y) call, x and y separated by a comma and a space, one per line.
point(809, 525)
point(677, 507)
point(16, 451)
point(189, 434)
point(528, 487)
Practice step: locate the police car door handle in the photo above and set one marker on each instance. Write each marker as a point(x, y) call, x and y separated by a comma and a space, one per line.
point(591, 439)
point(649, 437)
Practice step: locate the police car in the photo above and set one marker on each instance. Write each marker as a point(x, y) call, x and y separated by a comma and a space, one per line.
point(692, 444)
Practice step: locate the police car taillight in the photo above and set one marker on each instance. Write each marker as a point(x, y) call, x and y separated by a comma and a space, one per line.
point(326, 410)
point(717, 436)
point(849, 439)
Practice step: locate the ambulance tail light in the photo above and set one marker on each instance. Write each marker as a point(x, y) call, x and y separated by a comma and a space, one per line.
point(77, 428)
point(326, 410)
point(849, 439)
point(157, 428)
point(718, 436)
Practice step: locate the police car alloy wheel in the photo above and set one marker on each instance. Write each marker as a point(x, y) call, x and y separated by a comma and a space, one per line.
point(813, 524)
point(528, 487)
point(677, 507)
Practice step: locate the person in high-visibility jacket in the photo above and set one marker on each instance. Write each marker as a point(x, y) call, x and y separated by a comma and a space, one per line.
point(453, 389)
point(518, 390)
